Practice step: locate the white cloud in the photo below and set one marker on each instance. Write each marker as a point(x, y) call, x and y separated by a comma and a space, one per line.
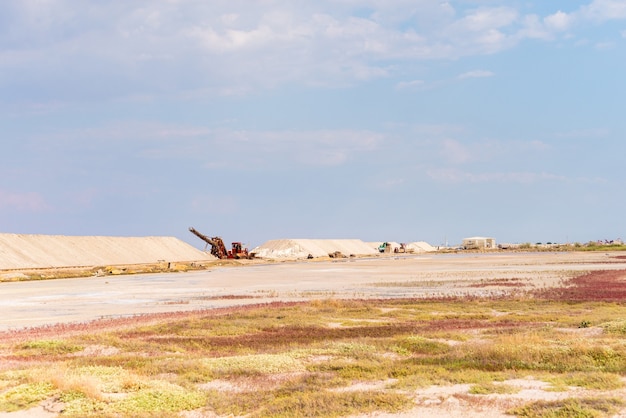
point(601, 10)
point(229, 18)
point(603, 46)
point(548, 27)
point(456, 152)
point(457, 176)
point(215, 205)
point(125, 132)
point(593, 133)
point(535, 145)
point(85, 198)
point(533, 27)
point(409, 85)
point(196, 48)
point(325, 147)
point(488, 19)
point(27, 201)
point(389, 183)
point(214, 145)
point(425, 130)
point(476, 74)
point(483, 31)
point(558, 21)
point(238, 43)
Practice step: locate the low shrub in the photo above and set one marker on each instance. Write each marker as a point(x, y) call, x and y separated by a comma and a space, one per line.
point(569, 408)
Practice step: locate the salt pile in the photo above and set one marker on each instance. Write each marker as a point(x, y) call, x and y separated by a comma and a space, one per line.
point(19, 251)
point(302, 248)
point(420, 247)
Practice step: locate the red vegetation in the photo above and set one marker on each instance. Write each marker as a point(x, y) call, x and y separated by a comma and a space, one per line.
point(603, 285)
point(499, 283)
point(277, 338)
point(111, 324)
point(231, 297)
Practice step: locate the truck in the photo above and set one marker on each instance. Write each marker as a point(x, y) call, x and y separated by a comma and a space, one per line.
point(385, 247)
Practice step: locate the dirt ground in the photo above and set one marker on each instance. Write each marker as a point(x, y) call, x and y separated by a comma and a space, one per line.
point(72, 301)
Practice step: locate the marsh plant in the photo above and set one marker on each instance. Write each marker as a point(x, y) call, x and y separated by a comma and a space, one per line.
point(323, 358)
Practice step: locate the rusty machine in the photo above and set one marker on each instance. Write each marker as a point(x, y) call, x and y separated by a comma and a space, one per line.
point(218, 249)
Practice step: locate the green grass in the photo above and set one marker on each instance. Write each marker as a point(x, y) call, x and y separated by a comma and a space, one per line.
point(591, 246)
point(303, 359)
point(490, 387)
point(47, 347)
point(593, 380)
point(24, 396)
point(415, 344)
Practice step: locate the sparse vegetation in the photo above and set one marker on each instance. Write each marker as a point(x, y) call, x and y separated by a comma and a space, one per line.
point(46, 347)
point(490, 387)
point(100, 271)
point(569, 408)
point(324, 357)
point(24, 395)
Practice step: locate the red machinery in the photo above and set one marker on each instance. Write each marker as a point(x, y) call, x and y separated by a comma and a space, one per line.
point(218, 249)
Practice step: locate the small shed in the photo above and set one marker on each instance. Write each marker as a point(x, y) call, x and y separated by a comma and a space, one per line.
point(479, 243)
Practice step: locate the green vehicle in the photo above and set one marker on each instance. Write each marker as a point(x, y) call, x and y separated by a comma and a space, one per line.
point(385, 247)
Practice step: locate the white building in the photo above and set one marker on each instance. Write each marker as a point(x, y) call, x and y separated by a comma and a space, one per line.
point(479, 243)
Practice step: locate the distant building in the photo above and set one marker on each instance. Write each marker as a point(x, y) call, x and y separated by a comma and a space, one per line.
point(479, 243)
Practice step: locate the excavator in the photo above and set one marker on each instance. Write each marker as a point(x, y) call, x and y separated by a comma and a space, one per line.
point(218, 249)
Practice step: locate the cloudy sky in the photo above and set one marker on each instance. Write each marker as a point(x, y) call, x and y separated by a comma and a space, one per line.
point(398, 120)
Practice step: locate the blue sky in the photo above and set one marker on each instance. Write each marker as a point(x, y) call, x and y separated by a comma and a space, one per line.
point(256, 120)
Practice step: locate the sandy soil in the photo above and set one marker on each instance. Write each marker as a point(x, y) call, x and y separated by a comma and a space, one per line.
point(455, 402)
point(35, 304)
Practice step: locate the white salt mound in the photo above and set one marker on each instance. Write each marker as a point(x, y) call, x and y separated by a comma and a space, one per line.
point(20, 251)
point(421, 247)
point(302, 248)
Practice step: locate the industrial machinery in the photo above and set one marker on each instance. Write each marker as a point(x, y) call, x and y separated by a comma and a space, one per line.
point(218, 249)
point(385, 247)
point(401, 249)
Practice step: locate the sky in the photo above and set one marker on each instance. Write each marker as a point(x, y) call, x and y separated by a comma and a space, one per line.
point(404, 120)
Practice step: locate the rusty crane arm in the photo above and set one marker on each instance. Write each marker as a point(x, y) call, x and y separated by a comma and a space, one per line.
point(218, 249)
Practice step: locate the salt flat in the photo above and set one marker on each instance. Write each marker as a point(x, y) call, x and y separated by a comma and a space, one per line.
point(39, 303)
